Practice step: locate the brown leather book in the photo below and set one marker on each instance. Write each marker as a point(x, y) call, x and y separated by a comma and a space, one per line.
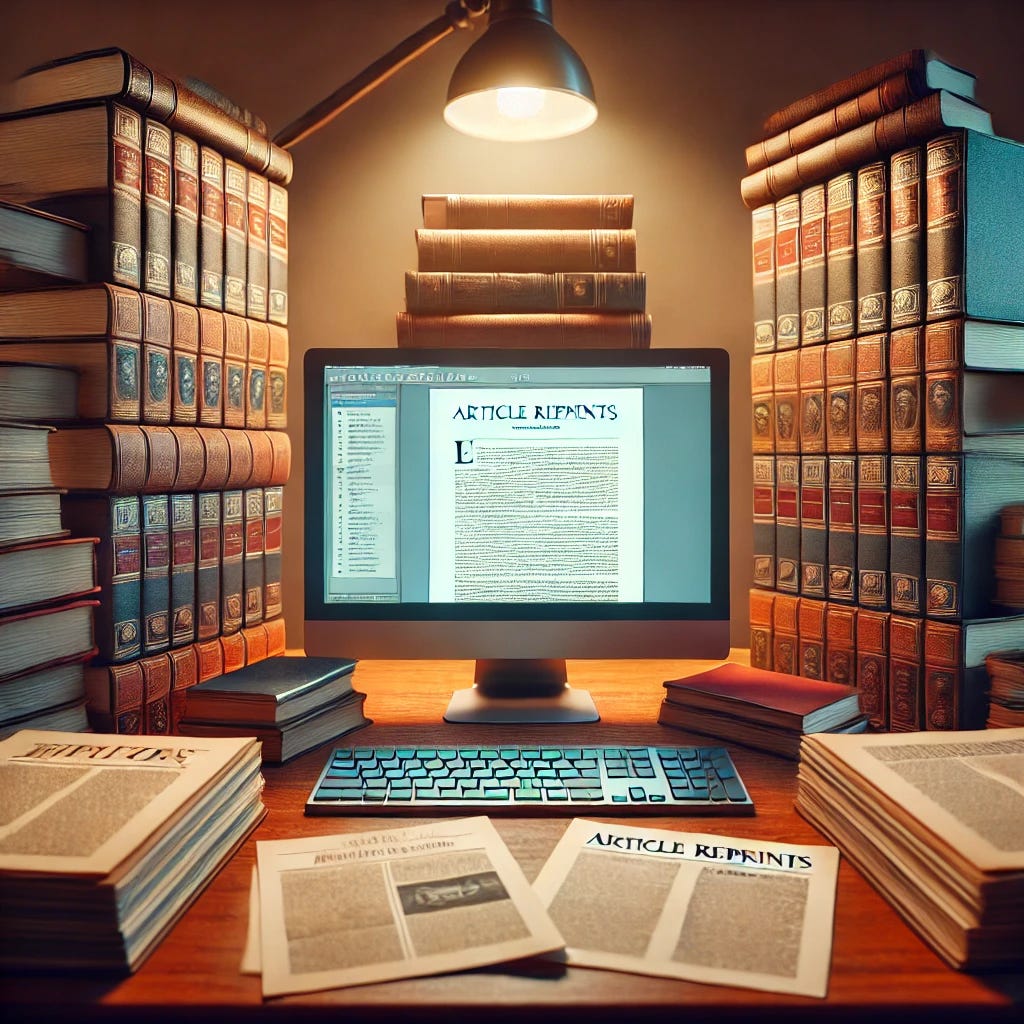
point(282, 463)
point(102, 187)
point(762, 397)
point(812, 265)
point(476, 210)
point(787, 272)
point(276, 637)
point(157, 153)
point(233, 646)
point(231, 555)
point(277, 247)
point(812, 399)
point(841, 644)
point(763, 259)
point(762, 604)
point(114, 698)
point(211, 229)
point(156, 573)
point(764, 521)
point(210, 656)
point(786, 633)
point(257, 259)
point(252, 558)
point(210, 396)
point(906, 236)
point(786, 390)
point(841, 580)
point(906, 669)
point(277, 378)
point(872, 392)
point(841, 257)
point(525, 330)
point(873, 531)
point(840, 396)
point(787, 523)
point(157, 337)
point(183, 568)
point(255, 639)
point(236, 344)
point(906, 534)
point(812, 650)
point(873, 247)
point(544, 250)
point(156, 699)
point(906, 381)
point(208, 544)
point(184, 675)
point(185, 220)
point(262, 455)
point(240, 459)
point(273, 525)
point(114, 74)
point(872, 662)
point(184, 363)
point(235, 245)
point(257, 356)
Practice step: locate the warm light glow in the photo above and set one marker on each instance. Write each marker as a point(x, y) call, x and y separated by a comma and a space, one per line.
point(520, 102)
point(520, 114)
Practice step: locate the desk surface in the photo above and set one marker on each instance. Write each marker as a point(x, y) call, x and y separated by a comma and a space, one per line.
point(879, 966)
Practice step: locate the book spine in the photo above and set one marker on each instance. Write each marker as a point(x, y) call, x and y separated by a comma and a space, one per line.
point(255, 638)
point(522, 251)
point(873, 666)
point(184, 675)
point(787, 523)
point(235, 245)
point(156, 564)
point(232, 547)
point(840, 396)
point(762, 604)
point(943, 676)
point(183, 569)
point(257, 356)
point(906, 250)
point(235, 345)
point(211, 229)
point(906, 534)
point(872, 248)
point(841, 256)
point(156, 700)
point(764, 521)
point(906, 377)
point(787, 272)
point(460, 210)
point(184, 363)
point(276, 637)
point(256, 246)
point(785, 633)
point(944, 224)
point(873, 531)
point(273, 523)
point(812, 648)
point(841, 644)
point(156, 359)
point(252, 564)
point(277, 378)
point(211, 368)
point(943, 557)
point(906, 696)
point(813, 534)
point(185, 221)
point(763, 258)
point(156, 208)
point(208, 513)
point(114, 698)
point(210, 656)
point(840, 581)
point(812, 265)
point(232, 651)
point(943, 400)
point(812, 399)
point(525, 330)
point(762, 403)
point(786, 377)
point(123, 262)
point(277, 247)
point(871, 394)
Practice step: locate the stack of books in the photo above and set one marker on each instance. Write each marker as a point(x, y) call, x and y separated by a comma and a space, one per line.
point(292, 704)
point(765, 710)
point(1006, 689)
point(933, 821)
point(177, 457)
point(94, 880)
point(887, 425)
point(525, 271)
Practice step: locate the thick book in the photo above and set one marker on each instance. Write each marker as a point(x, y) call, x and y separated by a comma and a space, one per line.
point(24, 457)
point(787, 523)
point(841, 256)
point(906, 674)
point(43, 571)
point(871, 393)
point(526, 251)
point(114, 74)
point(785, 633)
point(762, 230)
point(840, 396)
point(812, 265)
point(274, 690)
point(277, 252)
point(787, 272)
point(30, 514)
point(873, 531)
point(48, 688)
point(873, 247)
point(593, 291)
point(906, 236)
point(211, 228)
point(157, 157)
point(99, 181)
point(872, 666)
point(40, 637)
point(786, 400)
point(763, 574)
point(184, 363)
point(906, 382)
point(929, 69)
point(917, 122)
point(906, 534)
point(974, 217)
point(185, 220)
point(524, 330)
point(183, 569)
point(841, 643)
point(39, 248)
point(812, 399)
point(813, 533)
point(762, 606)
point(812, 648)
point(514, 210)
point(841, 577)
point(37, 392)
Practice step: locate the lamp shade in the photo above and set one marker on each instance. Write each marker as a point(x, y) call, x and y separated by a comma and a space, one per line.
point(521, 81)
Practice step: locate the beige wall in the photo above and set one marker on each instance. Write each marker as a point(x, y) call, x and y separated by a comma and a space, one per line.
point(682, 86)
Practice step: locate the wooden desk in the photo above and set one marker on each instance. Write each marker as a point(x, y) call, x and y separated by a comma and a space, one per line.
point(880, 969)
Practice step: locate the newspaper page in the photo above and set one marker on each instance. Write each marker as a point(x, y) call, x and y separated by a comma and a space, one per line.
point(351, 909)
point(538, 497)
point(702, 908)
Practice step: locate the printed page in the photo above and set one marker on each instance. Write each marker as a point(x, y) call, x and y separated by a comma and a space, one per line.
point(351, 909)
point(698, 907)
point(536, 495)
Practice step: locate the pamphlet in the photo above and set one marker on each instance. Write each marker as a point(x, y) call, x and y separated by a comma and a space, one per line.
point(698, 907)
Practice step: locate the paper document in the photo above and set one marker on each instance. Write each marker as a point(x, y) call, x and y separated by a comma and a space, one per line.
point(351, 909)
point(698, 907)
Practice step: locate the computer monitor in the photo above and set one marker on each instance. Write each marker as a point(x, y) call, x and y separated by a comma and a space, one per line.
point(517, 508)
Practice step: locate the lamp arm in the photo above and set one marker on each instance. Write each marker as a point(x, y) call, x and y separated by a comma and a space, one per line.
point(457, 14)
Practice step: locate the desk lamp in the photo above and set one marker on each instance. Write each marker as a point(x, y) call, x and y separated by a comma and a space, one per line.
point(521, 81)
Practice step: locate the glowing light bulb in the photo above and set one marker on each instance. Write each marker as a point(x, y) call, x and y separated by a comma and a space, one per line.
point(520, 103)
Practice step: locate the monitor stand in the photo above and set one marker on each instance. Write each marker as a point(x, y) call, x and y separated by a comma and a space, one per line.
point(527, 691)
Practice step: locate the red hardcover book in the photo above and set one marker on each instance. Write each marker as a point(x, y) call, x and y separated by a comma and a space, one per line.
point(906, 663)
point(871, 395)
point(211, 229)
point(210, 655)
point(276, 637)
point(255, 638)
point(156, 696)
point(840, 396)
point(236, 343)
point(185, 220)
point(841, 580)
point(762, 408)
point(114, 698)
point(184, 675)
point(277, 378)
point(233, 651)
point(156, 568)
point(906, 534)
point(873, 531)
point(252, 562)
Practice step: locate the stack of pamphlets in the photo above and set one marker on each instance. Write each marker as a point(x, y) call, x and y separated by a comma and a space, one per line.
point(935, 821)
point(105, 840)
point(766, 710)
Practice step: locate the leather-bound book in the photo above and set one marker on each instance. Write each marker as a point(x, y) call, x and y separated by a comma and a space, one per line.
point(257, 260)
point(240, 460)
point(257, 356)
point(484, 210)
point(787, 523)
point(906, 674)
point(906, 236)
point(236, 343)
point(273, 512)
point(255, 639)
point(281, 465)
point(872, 663)
point(185, 220)
point(841, 256)
point(872, 392)
point(841, 579)
point(542, 250)
point(262, 457)
point(841, 643)
point(764, 521)
point(786, 633)
point(786, 388)
point(812, 399)
point(157, 154)
point(873, 247)
point(276, 637)
point(524, 330)
point(183, 569)
point(157, 336)
point(906, 534)
point(813, 535)
point(235, 246)
point(252, 558)
point(210, 656)
point(906, 382)
point(277, 378)
point(787, 272)
point(975, 221)
point(233, 649)
point(208, 550)
point(840, 396)
point(184, 675)
point(156, 579)
point(156, 697)
point(762, 223)
point(211, 368)
point(762, 603)
point(185, 373)
point(211, 228)
point(873, 531)
point(191, 459)
point(762, 403)
point(101, 187)
point(812, 650)
point(277, 248)
point(217, 460)
point(232, 551)
point(114, 698)
point(812, 265)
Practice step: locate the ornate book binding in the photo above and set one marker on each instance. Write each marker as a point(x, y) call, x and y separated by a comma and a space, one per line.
point(873, 531)
point(812, 265)
point(763, 256)
point(906, 652)
point(840, 257)
point(812, 650)
point(906, 236)
point(762, 603)
point(873, 666)
point(873, 247)
point(813, 535)
point(787, 272)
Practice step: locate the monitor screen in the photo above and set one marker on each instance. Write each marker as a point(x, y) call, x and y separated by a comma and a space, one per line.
point(517, 508)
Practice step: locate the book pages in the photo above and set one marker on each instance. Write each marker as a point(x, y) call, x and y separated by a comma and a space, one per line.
point(698, 907)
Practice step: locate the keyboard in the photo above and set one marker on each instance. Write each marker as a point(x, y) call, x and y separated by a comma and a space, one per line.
point(541, 779)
